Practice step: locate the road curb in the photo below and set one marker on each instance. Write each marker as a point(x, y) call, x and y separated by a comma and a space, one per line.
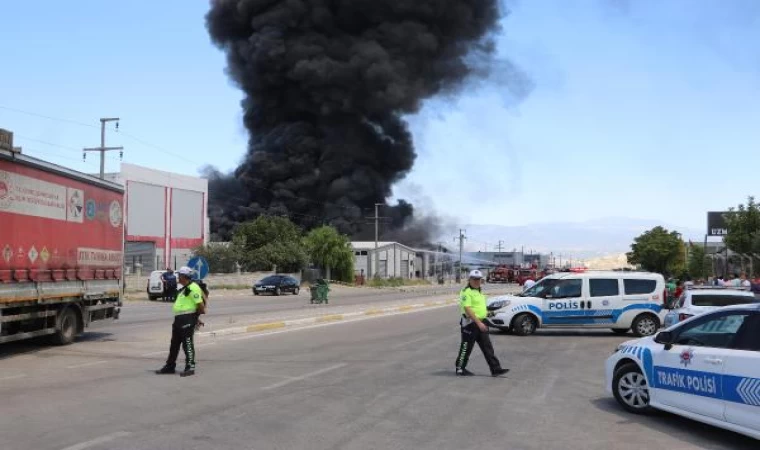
point(327, 318)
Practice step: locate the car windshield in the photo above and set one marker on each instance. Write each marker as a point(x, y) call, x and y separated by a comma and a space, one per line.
point(270, 280)
point(720, 300)
point(541, 288)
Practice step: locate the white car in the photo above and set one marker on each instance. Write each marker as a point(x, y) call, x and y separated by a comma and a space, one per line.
point(620, 301)
point(706, 368)
point(155, 285)
point(698, 300)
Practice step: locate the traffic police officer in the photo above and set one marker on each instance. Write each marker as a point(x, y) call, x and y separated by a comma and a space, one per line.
point(188, 306)
point(472, 305)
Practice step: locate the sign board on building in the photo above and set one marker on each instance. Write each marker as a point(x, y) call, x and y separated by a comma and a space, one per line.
point(6, 140)
point(716, 223)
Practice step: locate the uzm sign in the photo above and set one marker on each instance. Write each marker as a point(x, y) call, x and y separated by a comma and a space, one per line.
point(716, 223)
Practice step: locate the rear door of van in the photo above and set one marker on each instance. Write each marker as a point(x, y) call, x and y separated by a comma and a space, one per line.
point(639, 294)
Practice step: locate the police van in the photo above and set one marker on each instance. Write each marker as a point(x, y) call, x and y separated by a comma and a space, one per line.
point(620, 301)
point(706, 368)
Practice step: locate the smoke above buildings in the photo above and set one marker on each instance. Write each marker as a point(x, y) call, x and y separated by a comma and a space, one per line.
point(327, 84)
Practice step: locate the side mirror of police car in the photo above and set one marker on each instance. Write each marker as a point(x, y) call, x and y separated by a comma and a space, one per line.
point(666, 338)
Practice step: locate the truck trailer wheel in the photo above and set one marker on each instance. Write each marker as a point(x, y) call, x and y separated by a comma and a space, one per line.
point(66, 327)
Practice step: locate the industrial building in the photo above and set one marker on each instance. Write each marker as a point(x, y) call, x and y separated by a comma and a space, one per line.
point(512, 258)
point(165, 214)
point(390, 260)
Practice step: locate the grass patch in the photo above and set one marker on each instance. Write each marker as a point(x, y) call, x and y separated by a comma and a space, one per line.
point(229, 286)
point(397, 282)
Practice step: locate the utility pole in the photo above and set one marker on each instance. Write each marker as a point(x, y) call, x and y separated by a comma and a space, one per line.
point(439, 258)
point(377, 234)
point(461, 247)
point(103, 149)
point(499, 246)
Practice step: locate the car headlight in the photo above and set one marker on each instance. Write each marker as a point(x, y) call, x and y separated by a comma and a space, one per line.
point(499, 304)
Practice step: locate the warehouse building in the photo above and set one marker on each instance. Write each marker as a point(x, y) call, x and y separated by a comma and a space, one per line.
point(165, 214)
point(394, 260)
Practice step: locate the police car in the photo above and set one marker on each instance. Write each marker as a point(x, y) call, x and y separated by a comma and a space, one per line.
point(620, 301)
point(706, 368)
point(701, 299)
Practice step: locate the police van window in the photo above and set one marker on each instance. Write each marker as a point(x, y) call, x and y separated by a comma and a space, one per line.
point(603, 287)
point(540, 289)
point(718, 332)
point(567, 289)
point(633, 287)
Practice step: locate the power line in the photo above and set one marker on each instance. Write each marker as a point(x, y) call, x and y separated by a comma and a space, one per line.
point(46, 142)
point(148, 144)
point(75, 122)
point(48, 117)
point(156, 147)
point(35, 151)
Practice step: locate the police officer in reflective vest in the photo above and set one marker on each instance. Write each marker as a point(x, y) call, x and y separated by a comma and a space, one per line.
point(188, 306)
point(472, 305)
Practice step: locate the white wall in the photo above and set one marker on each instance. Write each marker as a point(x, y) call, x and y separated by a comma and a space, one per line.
point(393, 255)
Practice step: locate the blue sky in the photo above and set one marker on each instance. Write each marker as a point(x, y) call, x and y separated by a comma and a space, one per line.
point(643, 109)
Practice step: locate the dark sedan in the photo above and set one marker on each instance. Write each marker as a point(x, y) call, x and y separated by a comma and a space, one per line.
point(276, 284)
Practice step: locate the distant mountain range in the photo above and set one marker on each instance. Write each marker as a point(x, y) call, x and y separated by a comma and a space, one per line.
point(583, 240)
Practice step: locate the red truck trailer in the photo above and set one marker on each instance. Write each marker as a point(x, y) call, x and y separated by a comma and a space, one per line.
point(61, 249)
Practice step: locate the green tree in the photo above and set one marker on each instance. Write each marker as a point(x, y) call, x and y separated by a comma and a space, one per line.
point(328, 248)
point(222, 258)
point(270, 241)
point(659, 250)
point(698, 266)
point(743, 223)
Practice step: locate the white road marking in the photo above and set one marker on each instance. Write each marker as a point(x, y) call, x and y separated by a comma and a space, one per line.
point(98, 441)
point(337, 322)
point(86, 364)
point(414, 341)
point(548, 387)
point(12, 377)
point(303, 377)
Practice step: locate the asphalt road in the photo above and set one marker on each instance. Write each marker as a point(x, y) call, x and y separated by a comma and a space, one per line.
point(233, 307)
point(380, 383)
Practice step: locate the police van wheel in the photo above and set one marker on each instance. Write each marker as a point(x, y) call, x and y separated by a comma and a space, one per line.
point(630, 388)
point(620, 330)
point(524, 324)
point(645, 325)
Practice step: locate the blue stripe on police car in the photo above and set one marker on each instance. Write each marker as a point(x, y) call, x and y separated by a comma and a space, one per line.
point(742, 390)
point(704, 384)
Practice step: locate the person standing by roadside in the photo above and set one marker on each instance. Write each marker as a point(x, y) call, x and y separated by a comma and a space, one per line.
point(170, 284)
point(187, 309)
point(472, 305)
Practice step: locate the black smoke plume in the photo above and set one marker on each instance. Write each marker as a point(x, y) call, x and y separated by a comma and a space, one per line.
point(327, 83)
